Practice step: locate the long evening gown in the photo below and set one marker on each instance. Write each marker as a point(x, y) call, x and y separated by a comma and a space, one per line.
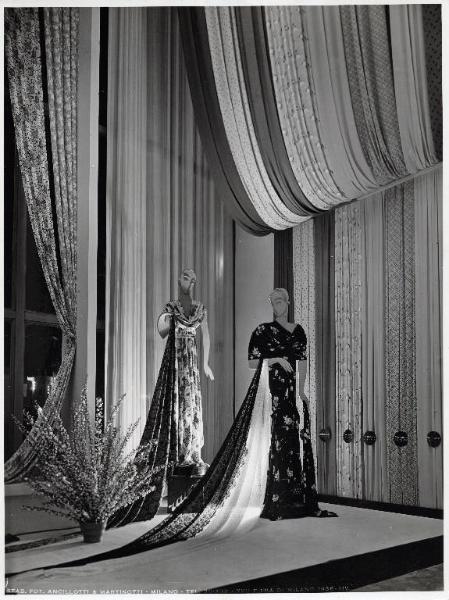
point(291, 489)
point(188, 415)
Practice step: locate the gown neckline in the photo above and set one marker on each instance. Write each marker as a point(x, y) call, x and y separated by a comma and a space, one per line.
point(285, 328)
point(194, 306)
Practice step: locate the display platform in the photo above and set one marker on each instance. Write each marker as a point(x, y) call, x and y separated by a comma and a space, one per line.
point(300, 554)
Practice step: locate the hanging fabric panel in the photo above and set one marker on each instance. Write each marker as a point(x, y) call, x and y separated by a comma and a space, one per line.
point(428, 318)
point(375, 480)
point(348, 334)
point(283, 266)
point(367, 55)
point(237, 119)
point(431, 15)
point(305, 310)
point(259, 87)
point(409, 64)
point(296, 105)
point(185, 224)
point(401, 409)
point(325, 54)
point(126, 202)
point(24, 66)
point(210, 121)
point(324, 244)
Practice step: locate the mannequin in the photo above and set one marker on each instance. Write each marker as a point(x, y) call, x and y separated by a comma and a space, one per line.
point(188, 315)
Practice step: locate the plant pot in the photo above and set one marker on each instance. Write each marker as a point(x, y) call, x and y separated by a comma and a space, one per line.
point(92, 532)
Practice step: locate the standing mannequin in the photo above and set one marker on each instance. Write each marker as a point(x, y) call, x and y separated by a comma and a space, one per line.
point(188, 315)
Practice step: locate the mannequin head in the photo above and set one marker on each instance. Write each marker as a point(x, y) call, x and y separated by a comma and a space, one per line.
point(279, 302)
point(187, 281)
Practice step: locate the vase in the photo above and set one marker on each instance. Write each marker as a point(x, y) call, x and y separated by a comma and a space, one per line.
point(92, 532)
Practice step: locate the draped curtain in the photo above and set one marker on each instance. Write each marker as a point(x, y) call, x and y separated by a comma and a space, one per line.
point(387, 344)
point(47, 178)
point(305, 310)
point(302, 108)
point(163, 216)
point(348, 352)
point(428, 318)
point(283, 266)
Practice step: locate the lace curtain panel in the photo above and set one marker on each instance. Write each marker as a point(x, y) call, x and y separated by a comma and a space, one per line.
point(25, 62)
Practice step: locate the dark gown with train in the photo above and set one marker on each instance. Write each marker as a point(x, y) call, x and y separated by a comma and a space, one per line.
point(291, 490)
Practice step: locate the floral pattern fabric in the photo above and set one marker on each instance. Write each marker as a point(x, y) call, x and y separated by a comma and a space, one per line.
point(188, 410)
point(25, 57)
point(291, 489)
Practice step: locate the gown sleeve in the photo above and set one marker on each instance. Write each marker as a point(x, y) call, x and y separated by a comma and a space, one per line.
point(300, 344)
point(255, 347)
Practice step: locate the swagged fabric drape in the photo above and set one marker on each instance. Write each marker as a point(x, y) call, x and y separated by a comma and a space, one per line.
point(162, 215)
point(55, 241)
point(308, 107)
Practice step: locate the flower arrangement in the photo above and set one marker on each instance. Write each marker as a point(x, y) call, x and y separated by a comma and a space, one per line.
point(87, 475)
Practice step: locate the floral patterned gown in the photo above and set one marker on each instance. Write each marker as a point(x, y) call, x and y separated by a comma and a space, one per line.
point(188, 411)
point(291, 490)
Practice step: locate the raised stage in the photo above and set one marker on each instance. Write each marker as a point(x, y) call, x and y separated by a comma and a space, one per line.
point(356, 549)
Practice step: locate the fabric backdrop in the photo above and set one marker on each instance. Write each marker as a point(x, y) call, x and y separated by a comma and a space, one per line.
point(162, 215)
point(298, 106)
point(48, 180)
point(387, 344)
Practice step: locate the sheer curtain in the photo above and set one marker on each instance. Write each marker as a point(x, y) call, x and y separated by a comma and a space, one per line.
point(428, 319)
point(163, 215)
point(54, 240)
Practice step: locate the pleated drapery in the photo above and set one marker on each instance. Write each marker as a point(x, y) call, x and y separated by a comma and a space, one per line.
point(163, 216)
point(375, 481)
point(305, 108)
point(384, 412)
point(126, 198)
point(399, 257)
point(412, 101)
point(428, 318)
point(371, 83)
point(349, 274)
point(237, 119)
point(305, 310)
point(283, 266)
point(296, 105)
point(210, 123)
point(25, 66)
point(324, 244)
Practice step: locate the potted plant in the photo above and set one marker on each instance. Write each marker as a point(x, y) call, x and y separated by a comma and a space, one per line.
point(88, 474)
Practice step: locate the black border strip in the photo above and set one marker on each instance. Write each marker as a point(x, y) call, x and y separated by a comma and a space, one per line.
point(417, 511)
point(346, 574)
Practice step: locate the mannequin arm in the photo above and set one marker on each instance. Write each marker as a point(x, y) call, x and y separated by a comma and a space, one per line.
point(206, 349)
point(163, 324)
point(301, 370)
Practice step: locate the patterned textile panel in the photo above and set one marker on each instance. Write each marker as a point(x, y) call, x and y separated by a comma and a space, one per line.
point(433, 43)
point(305, 314)
point(348, 335)
point(400, 365)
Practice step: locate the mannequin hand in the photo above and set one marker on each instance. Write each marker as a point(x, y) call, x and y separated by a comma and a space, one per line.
point(208, 372)
point(305, 400)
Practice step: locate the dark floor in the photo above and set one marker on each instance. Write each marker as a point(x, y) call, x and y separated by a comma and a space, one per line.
point(430, 579)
